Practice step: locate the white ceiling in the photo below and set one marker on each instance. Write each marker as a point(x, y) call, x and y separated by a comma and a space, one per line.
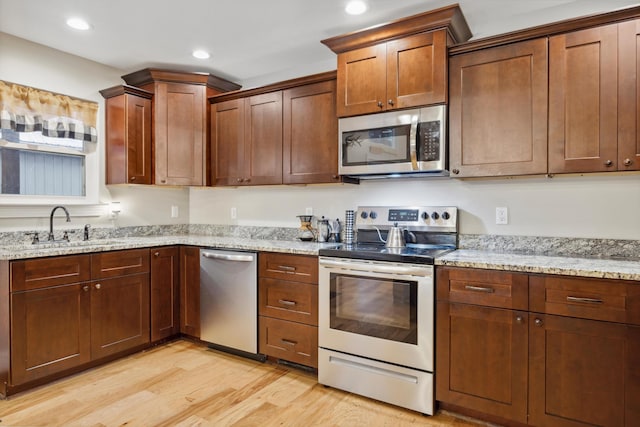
point(252, 42)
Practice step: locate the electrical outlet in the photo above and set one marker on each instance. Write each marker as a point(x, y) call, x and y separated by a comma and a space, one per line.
point(502, 216)
point(175, 212)
point(234, 213)
point(308, 211)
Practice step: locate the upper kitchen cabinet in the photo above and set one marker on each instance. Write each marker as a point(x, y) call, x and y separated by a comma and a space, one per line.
point(398, 65)
point(128, 136)
point(247, 140)
point(498, 111)
point(583, 100)
point(180, 126)
point(281, 133)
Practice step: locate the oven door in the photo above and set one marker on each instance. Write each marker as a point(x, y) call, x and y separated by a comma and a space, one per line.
point(378, 310)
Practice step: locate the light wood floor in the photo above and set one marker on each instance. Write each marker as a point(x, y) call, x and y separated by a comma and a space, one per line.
point(184, 384)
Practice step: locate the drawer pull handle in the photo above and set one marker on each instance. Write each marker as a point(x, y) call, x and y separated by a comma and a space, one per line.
point(288, 342)
point(584, 300)
point(286, 268)
point(286, 302)
point(479, 289)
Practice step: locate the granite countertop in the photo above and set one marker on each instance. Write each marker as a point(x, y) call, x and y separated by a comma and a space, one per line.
point(45, 249)
point(625, 269)
point(606, 268)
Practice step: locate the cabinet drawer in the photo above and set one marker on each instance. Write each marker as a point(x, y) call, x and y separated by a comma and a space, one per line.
point(119, 263)
point(483, 287)
point(299, 268)
point(288, 300)
point(597, 299)
point(290, 341)
point(44, 272)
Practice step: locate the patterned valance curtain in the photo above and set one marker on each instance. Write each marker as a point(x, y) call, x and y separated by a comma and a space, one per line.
point(35, 116)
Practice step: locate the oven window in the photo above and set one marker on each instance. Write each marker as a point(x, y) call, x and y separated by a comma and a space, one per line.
point(377, 307)
point(375, 146)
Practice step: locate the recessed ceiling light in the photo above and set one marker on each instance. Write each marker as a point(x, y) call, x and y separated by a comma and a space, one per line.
point(356, 7)
point(78, 24)
point(201, 54)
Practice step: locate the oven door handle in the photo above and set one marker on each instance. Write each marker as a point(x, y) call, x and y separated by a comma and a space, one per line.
point(374, 267)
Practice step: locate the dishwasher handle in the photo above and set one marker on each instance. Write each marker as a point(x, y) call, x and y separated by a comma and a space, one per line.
point(228, 257)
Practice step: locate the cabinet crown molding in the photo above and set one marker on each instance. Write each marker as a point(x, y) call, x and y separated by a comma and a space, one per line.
point(152, 75)
point(448, 17)
point(122, 89)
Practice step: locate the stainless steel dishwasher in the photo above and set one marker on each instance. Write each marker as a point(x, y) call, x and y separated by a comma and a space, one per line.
point(229, 300)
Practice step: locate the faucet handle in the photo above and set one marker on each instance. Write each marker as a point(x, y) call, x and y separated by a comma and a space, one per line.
point(35, 237)
point(65, 235)
point(86, 231)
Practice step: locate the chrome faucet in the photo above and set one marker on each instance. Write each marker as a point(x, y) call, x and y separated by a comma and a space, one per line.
point(51, 220)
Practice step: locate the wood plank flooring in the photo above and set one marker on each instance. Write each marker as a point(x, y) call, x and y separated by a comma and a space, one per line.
point(184, 384)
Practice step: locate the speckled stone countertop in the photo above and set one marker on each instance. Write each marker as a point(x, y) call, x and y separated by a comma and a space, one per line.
point(609, 259)
point(606, 268)
point(45, 249)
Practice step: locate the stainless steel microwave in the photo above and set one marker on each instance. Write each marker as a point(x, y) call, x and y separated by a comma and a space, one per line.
point(398, 143)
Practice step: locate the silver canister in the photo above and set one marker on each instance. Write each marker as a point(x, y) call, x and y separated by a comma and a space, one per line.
point(349, 218)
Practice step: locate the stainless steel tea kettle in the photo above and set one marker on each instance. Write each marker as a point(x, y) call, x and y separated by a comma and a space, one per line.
point(395, 237)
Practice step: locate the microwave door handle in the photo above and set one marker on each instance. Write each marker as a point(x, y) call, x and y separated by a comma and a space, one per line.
point(413, 144)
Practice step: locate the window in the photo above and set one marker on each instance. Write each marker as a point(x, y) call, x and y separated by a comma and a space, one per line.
point(47, 146)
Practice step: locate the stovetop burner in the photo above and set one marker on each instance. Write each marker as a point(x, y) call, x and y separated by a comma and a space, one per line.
point(430, 232)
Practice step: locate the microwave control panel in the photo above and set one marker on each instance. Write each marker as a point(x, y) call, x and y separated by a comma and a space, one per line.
point(429, 141)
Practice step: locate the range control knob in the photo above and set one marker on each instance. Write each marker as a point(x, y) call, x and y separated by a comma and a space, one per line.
point(364, 215)
point(445, 215)
point(435, 215)
point(373, 215)
point(424, 215)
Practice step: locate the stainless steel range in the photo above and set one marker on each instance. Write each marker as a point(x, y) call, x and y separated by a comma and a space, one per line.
point(376, 302)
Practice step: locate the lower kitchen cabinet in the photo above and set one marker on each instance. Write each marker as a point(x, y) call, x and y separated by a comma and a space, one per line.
point(481, 359)
point(63, 316)
point(288, 307)
point(50, 330)
point(190, 291)
point(571, 358)
point(165, 292)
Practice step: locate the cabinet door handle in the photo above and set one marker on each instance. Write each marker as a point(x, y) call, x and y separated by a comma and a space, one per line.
point(163, 181)
point(287, 268)
point(156, 254)
point(380, 104)
point(286, 302)
point(98, 285)
point(584, 300)
point(519, 319)
point(288, 342)
point(538, 322)
point(390, 102)
point(627, 162)
point(608, 163)
point(479, 289)
point(85, 288)
point(133, 178)
point(455, 171)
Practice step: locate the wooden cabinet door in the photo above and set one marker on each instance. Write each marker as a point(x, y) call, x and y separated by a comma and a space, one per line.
point(286, 340)
point(263, 139)
point(165, 292)
point(190, 291)
point(180, 134)
point(629, 96)
point(481, 359)
point(310, 140)
point(119, 314)
point(50, 331)
point(583, 372)
point(227, 142)
point(362, 84)
point(417, 70)
point(583, 100)
point(498, 111)
point(128, 139)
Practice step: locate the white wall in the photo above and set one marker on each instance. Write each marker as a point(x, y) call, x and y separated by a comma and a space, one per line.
point(595, 206)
